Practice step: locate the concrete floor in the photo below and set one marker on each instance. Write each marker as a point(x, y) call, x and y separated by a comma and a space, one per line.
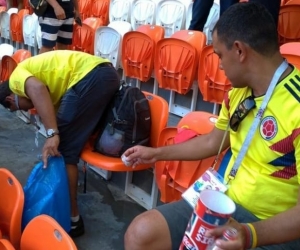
point(105, 209)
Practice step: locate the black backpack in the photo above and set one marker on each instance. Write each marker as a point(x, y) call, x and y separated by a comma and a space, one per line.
point(126, 122)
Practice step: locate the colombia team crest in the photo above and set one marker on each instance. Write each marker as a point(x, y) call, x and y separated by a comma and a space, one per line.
point(268, 128)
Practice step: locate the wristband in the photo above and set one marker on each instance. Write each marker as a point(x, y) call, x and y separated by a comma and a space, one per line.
point(251, 236)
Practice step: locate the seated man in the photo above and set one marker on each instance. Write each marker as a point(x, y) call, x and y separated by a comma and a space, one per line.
point(70, 91)
point(266, 185)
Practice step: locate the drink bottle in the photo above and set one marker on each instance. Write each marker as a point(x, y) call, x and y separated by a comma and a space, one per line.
point(228, 234)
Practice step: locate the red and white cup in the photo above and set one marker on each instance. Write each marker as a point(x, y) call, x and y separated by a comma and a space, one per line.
point(213, 209)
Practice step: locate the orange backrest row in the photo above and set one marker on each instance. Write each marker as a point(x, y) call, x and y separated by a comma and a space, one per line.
point(288, 22)
point(9, 63)
point(174, 177)
point(94, 8)
point(138, 48)
point(176, 60)
point(16, 25)
point(291, 51)
point(212, 81)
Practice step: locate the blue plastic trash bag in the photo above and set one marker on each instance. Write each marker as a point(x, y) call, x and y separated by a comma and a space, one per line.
point(47, 192)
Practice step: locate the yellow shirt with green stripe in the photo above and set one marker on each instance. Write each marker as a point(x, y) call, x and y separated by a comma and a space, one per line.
point(267, 182)
point(59, 70)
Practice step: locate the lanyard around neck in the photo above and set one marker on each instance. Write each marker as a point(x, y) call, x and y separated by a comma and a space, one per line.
point(279, 71)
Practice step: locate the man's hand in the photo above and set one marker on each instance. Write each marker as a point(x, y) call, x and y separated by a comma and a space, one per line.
point(50, 148)
point(59, 12)
point(140, 155)
point(237, 244)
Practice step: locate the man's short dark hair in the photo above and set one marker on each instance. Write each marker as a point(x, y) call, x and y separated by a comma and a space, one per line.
point(250, 23)
point(4, 92)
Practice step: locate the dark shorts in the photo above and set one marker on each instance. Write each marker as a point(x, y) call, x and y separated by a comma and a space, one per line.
point(82, 107)
point(56, 31)
point(177, 215)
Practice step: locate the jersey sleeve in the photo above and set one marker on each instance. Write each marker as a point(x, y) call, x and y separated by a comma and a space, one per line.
point(17, 80)
point(223, 118)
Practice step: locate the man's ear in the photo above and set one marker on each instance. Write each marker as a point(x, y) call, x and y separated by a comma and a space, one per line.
point(240, 49)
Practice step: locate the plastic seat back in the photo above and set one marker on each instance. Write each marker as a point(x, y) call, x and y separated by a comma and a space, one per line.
point(170, 14)
point(143, 12)
point(291, 51)
point(6, 245)
point(120, 10)
point(11, 207)
point(8, 65)
point(38, 35)
point(174, 177)
point(16, 25)
point(108, 44)
point(21, 54)
point(5, 25)
point(176, 60)
point(211, 21)
point(93, 22)
point(137, 55)
point(100, 9)
point(84, 8)
point(122, 28)
point(6, 49)
point(154, 31)
point(212, 81)
point(83, 38)
point(138, 49)
point(189, 13)
point(30, 24)
point(43, 232)
point(288, 23)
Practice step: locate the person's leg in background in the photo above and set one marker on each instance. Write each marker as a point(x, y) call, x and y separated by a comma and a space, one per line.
point(49, 28)
point(200, 13)
point(225, 4)
point(65, 34)
point(273, 7)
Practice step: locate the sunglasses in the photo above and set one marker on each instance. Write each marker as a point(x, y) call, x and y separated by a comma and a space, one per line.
point(241, 112)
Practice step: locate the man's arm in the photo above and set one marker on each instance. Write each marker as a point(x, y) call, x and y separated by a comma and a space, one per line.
point(197, 148)
point(40, 97)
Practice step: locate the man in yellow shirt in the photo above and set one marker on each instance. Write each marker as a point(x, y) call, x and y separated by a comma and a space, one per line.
point(265, 184)
point(70, 91)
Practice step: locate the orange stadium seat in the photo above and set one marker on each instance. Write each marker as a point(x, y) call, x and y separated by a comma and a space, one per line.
point(138, 49)
point(212, 81)
point(43, 232)
point(176, 60)
point(83, 38)
point(291, 51)
point(159, 118)
point(16, 26)
point(288, 22)
point(11, 207)
point(174, 177)
point(100, 9)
